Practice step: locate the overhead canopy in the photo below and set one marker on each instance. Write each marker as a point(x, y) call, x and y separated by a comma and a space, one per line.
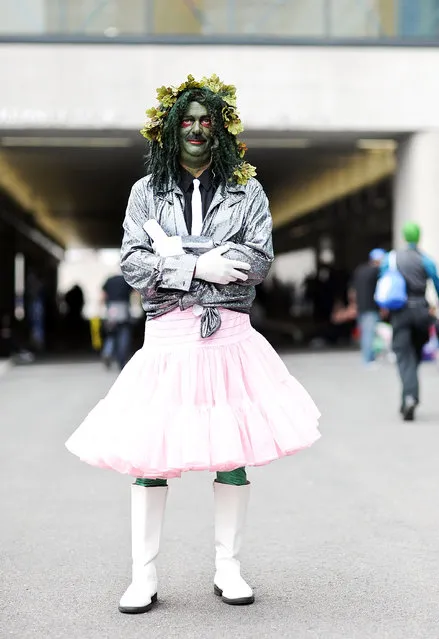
point(77, 186)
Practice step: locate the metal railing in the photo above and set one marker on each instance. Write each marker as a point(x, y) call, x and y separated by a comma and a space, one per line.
point(209, 20)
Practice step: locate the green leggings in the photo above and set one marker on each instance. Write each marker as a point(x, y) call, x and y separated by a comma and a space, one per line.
point(235, 477)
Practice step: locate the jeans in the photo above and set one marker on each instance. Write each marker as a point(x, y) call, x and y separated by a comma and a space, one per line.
point(367, 322)
point(117, 345)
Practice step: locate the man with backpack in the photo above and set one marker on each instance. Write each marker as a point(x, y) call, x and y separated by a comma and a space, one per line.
point(401, 289)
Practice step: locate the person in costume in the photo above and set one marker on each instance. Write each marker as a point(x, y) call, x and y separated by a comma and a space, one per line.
point(206, 391)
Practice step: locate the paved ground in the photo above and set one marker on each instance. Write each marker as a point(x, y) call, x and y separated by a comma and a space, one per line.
point(342, 542)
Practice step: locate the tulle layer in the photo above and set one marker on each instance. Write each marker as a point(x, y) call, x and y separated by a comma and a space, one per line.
point(186, 403)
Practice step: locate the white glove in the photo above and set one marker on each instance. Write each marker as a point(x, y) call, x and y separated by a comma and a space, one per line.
point(213, 267)
point(162, 244)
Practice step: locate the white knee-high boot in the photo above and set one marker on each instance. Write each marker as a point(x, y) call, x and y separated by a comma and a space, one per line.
point(147, 512)
point(230, 512)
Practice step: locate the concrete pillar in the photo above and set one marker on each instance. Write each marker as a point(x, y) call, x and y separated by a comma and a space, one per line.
point(416, 190)
point(416, 194)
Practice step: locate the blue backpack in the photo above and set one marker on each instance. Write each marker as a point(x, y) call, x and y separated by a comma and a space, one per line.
point(391, 288)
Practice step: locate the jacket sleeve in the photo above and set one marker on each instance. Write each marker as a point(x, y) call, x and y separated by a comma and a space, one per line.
point(197, 244)
point(143, 270)
point(431, 271)
point(256, 247)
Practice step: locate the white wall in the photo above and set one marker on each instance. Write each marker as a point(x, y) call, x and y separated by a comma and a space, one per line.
point(416, 189)
point(280, 88)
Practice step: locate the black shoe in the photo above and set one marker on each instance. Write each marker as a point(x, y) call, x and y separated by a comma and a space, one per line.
point(408, 409)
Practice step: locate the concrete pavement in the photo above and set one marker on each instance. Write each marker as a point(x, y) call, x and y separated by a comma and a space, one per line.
point(342, 540)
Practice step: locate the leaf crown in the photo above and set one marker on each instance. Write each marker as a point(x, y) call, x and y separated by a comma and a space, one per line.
point(168, 96)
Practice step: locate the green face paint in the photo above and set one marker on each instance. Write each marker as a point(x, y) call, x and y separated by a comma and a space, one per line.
point(195, 136)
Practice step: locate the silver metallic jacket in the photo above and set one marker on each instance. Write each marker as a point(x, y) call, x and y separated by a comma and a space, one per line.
point(238, 216)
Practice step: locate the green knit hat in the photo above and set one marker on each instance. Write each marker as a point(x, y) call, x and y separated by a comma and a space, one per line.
point(411, 232)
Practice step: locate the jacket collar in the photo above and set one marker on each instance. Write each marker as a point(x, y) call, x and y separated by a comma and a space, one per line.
point(237, 191)
point(233, 193)
point(186, 179)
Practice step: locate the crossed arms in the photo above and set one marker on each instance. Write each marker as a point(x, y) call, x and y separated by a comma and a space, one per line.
point(152, 274)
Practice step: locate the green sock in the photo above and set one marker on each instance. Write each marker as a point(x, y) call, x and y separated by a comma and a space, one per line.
point(150, 483)
point(237, 477)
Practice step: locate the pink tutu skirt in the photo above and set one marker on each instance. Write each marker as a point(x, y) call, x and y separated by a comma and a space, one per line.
point(186, 403)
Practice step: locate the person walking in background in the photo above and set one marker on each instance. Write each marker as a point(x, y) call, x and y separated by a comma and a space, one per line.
point(116, 295)
point(74, 302)
point(363, 285)
point(37, 312)
point(411, 323)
